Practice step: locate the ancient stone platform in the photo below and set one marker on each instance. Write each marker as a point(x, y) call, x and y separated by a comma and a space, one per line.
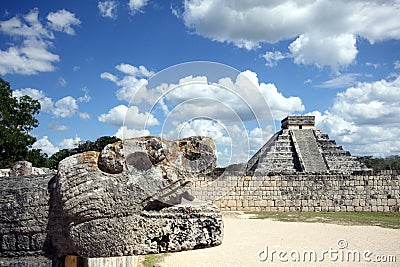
point(300, 147)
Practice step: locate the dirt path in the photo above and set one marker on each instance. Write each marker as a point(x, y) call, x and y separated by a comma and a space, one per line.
point(245, 238)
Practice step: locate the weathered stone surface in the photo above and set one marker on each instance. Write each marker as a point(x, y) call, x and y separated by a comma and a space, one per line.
point(27, 262)
point(21, 168)
point(300, 147)
point(176, 228)
point(137, 200)
point(24, 206)
point(129, 199)
point(111, 159)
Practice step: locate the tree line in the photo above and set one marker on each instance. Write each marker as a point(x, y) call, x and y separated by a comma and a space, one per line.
point(388, 163)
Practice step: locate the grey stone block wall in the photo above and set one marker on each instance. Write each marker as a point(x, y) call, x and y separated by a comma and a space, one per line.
point(27, 262)
point(24, 212)
point(24, 206)
point(359, 191)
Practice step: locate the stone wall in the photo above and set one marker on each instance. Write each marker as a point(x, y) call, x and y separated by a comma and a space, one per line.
point(360, 191)
point(23, 216)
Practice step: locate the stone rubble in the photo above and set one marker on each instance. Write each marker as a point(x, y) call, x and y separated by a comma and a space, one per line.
point(24, 168)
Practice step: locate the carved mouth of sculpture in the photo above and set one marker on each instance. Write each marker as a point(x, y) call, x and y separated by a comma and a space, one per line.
point(170, 195)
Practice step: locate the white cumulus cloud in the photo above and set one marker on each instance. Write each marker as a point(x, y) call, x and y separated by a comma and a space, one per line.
point(125, 133)
point(334, 51)
point(86, 97)
point(69, 143)
point(30, 52)
point(56, 126)
point(45, 145)
point(244, 98)
point(204, 127)
point(84, 115)
point(62, 108)
point(62, 21)
point(108, 9)
point(65, 107)
point(131, 117)
point(129, 85)
point(49, 148)
point(136, 6)
point(272, 58)
point(330, 26)
point(365, 118)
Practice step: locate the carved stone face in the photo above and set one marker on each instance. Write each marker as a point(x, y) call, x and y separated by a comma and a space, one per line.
point(126, 194)
point(163, 169)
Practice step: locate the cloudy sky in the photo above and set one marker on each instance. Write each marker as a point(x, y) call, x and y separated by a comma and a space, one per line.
point(117, 68)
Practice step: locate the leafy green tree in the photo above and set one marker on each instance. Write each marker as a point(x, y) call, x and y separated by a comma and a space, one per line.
point(38, 158)
point(59, 156)
point(101, 142)
point(17, 119)
point(389, 163)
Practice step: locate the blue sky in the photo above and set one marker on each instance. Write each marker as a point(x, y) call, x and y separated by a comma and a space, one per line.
point(337, 60)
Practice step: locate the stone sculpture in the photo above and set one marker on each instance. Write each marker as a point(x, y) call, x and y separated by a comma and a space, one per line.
point(129, 199)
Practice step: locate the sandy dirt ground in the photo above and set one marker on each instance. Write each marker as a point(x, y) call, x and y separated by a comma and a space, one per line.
point(294, 244)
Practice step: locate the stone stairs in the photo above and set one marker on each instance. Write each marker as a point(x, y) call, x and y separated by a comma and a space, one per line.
point(307, 150)
point(335, 156)
point(300, 147)
point(280, 156)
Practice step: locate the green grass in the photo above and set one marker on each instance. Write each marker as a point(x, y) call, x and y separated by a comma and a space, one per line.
point(383, 219)
point(152, 259)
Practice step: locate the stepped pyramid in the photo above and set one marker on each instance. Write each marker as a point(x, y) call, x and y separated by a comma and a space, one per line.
point(300, 147)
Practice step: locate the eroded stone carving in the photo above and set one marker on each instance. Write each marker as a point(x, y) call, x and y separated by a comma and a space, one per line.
point(21, 168)
point(129, 199)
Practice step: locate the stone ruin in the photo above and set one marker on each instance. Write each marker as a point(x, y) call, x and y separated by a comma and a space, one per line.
point(300, 147)
point(24, 168)
point(129, 199)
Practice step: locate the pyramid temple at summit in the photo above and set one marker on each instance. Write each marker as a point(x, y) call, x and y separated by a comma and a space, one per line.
point(300, 147)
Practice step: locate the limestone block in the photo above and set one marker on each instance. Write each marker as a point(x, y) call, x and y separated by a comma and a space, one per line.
point(391, 202)
point(232, 203)
point(356, 202)
point(127, 261)
point(386, 209)
point(279, 203)
point(349, 208)
point(21, 168)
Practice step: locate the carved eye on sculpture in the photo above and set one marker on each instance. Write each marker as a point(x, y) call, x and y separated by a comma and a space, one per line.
point(139, 160)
